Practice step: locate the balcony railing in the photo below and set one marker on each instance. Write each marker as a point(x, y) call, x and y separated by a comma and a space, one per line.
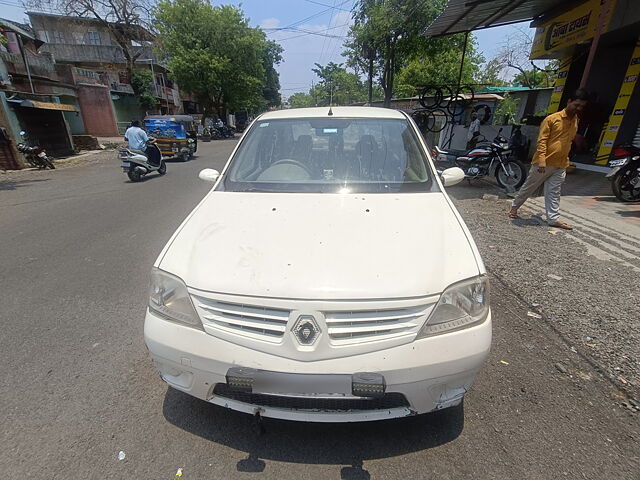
point(39, 65)
point(67, 52)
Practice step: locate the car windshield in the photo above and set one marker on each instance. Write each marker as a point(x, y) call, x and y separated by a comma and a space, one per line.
point(329, 155)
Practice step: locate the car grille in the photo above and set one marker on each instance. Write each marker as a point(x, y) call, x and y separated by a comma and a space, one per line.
point(389, 400)
point(352, 327)
point(343, 327)
point(261, 322)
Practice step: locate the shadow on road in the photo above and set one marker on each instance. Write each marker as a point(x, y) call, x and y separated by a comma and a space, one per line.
point(15, 184)
point(311, 443)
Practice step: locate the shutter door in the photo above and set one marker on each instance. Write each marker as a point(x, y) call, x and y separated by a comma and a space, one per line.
point(636, 137)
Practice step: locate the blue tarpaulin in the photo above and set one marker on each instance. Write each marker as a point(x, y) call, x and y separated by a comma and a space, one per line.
point(160, 128)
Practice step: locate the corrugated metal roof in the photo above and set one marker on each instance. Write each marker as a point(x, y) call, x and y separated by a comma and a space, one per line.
point(467, 15)
point(20, 29)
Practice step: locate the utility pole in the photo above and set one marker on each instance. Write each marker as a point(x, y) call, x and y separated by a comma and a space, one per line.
point(315, 95)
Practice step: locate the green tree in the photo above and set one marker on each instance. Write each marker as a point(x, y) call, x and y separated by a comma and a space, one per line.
point(386, 35)
point(506, 111)
point(489, 74)
point(530, 78)
point(142, 84)
point(437, 62)
point(271, 56)
point(215, 55)
point(337, 86)
point(301, 100)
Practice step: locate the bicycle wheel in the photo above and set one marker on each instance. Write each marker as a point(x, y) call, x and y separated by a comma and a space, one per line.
point(438, 120)
point(430, 96)
point(466, 93)
point(447, 95)
point(452, 106)
point(420, 117)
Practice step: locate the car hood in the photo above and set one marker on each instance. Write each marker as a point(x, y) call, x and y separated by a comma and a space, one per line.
point(322, 246)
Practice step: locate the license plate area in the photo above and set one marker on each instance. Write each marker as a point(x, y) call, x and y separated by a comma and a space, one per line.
point(277, 383)
point(126, 165)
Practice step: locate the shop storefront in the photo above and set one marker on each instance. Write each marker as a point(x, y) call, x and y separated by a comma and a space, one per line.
point(598, 46)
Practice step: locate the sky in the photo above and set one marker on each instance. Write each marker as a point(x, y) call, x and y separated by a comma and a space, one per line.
point(289, 23)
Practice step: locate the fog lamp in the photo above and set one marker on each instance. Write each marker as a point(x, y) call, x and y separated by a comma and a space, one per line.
point(240, 378)
point(367, 384)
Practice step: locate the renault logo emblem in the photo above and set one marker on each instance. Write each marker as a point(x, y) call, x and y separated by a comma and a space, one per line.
point(306, 330)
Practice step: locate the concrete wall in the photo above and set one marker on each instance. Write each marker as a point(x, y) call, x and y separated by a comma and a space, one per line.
point(97, 109)
point(10, 158)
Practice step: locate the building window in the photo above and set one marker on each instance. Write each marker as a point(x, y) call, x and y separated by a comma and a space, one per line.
point(57, 37)
point(93, 38)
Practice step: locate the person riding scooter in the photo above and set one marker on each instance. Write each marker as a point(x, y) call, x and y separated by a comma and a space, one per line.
point(137, 138)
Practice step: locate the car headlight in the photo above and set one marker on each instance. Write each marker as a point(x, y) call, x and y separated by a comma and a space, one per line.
point(461, 305)
point(168, 298)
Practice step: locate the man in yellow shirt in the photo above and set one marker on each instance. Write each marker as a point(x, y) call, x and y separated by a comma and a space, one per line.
point(552, 159)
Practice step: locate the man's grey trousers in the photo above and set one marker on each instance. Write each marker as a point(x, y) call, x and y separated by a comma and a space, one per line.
point(553, 178)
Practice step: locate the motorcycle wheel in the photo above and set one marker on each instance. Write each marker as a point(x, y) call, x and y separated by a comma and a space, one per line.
point(47, 161)
point(163, 168)
point(514, 181)
point(134, 175)
point(621, 185)
point(184, 157)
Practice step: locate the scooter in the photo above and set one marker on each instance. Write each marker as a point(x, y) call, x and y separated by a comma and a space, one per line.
point(137, 165)
point(36, 156)
point(625, 173)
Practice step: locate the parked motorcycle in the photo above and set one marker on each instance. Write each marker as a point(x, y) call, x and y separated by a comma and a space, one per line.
point(494, 158)
point(625, 173)
point(224, 131)
point(35, 156)
point(136, 165)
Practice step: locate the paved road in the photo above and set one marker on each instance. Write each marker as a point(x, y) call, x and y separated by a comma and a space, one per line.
point(76, 246)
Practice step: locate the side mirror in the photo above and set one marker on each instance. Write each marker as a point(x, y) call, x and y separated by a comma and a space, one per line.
point(209, 175)
point(22, 133)
point(452, 176)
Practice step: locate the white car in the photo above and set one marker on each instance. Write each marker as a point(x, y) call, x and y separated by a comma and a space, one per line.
point(325, 277)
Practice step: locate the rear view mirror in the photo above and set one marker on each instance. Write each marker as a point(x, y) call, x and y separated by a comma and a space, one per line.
point(209, 175)
point(452, 176)
point(22, 133)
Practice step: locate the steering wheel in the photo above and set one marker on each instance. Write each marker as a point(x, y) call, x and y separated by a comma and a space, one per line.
point(291, 161)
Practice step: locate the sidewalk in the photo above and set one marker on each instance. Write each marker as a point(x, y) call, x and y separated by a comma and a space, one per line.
point(111, 140)
point(581, 283)
point(608, 228)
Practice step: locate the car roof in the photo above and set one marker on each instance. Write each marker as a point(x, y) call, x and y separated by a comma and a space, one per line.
point(338, 112)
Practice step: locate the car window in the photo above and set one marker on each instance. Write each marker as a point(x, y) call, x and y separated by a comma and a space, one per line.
point(328, 155)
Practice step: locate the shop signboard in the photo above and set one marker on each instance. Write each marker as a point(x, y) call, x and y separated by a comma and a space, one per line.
point(558, 84)
point(565, 30)
point(620, 108)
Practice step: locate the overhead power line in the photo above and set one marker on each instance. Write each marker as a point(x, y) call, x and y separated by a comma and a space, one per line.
point(299, 22)
point(325, 5)
point(319, 33)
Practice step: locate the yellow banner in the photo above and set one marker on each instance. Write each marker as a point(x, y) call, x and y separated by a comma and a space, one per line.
point(576, 25)
point(558, 84)
point(622, 103)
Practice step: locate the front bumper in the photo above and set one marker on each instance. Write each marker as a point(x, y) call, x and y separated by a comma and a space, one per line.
point(431, 373)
